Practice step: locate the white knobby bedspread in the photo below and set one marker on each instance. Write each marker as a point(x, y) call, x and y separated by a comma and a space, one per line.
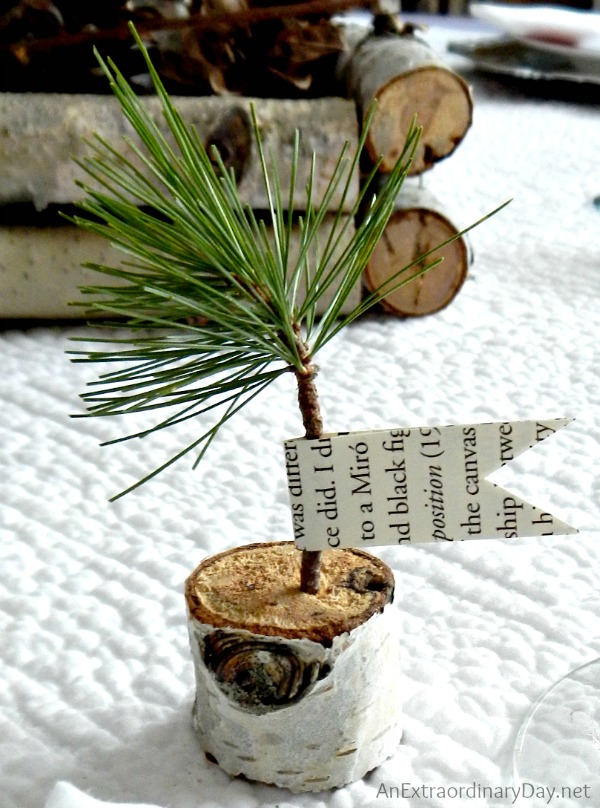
point(95, 675)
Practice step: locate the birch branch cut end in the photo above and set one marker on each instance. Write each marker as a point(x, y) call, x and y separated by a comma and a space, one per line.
point(441, 103)
point(256, 588)
point(411, 232)
point(407, 78)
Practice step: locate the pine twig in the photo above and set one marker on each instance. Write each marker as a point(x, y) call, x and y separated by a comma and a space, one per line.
point(308, 402)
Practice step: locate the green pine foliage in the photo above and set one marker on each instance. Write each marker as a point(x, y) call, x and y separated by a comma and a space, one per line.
point(212, 303)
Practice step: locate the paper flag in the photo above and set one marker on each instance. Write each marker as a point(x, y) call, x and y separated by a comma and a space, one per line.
point(424, 484)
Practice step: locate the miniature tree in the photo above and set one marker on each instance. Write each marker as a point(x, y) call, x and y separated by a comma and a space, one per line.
point(214, 304)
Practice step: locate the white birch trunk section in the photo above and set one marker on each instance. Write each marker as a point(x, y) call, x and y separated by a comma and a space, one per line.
point(302, 691)
point(342, 727)
point(42, 134)
point(41, 272)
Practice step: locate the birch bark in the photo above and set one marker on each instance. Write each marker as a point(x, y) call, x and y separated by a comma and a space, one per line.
point(297, 690)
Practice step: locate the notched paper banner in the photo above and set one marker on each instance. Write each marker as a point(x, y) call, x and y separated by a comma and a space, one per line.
point(423, 484)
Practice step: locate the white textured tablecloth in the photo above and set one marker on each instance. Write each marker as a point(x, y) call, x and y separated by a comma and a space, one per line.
point(95, 675)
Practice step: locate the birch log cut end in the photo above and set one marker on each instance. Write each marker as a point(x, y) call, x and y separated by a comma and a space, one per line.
point(298, 690)
point(440, 101)
point(408, 79)
point(409, 234)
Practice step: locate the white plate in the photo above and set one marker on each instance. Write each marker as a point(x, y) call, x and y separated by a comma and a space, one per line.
point(558, 30)
point(514, 59)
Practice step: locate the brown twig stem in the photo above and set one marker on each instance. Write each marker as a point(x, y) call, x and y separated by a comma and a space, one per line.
point(249, 16)
point(308, 401)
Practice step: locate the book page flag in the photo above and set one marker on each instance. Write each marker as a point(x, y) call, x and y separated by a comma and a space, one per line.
point(423, 484)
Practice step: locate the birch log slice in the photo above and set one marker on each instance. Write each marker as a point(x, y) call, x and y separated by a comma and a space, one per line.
point(416, 227)
point(407, 79)
point(297, 690)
